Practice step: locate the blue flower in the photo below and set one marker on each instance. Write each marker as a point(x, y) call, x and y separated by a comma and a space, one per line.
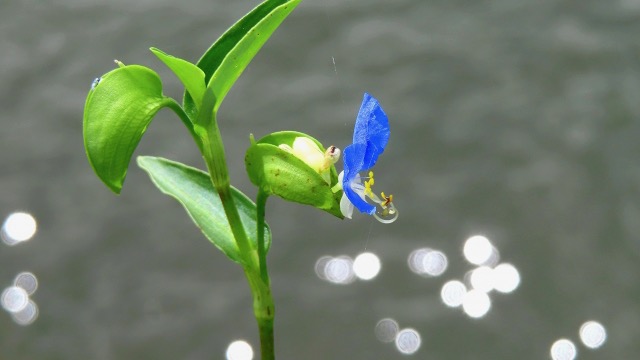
point(370, 137)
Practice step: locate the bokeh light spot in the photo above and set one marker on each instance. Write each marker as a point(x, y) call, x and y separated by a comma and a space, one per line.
point(476, 304)
point(593, 334)
point(408, 341)
point(386, 330)
point(428, 262)
point(339, 270)
point(435, 263)
point(482, 279)
point(366, 266)
point(453, 293)
point(563, 349)
point(477, 250)
point(321, 266)
point(506, 278)
point(27, 281)
point(239, 350)
point(14, 299)
point(415, 260)
point(27, 315)
point(18, 227)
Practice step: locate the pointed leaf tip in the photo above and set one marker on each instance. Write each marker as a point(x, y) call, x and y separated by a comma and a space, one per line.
point(191, 76)
point(226, 59)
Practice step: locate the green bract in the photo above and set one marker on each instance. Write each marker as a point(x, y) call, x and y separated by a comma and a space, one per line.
point(193, 189)
point(278, 172)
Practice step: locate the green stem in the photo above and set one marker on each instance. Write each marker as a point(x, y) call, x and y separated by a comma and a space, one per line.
point(216, 163)
point(263, 306)
point(261, 203)
point(206, 129)
point(264, 311)
point(267, 350)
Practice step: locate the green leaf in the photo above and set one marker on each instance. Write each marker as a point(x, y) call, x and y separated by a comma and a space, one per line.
point(191, 76)
point(227, 58)
point(193, 189)
point(116, 114)
point(281, 173)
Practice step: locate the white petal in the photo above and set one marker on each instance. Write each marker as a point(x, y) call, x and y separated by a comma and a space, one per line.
point(346, 207)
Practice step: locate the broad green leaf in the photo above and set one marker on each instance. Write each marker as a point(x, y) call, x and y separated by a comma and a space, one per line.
point(118, 109)
point(227, 58)
point(281, 173)
point(191, 76)
point(193, 189)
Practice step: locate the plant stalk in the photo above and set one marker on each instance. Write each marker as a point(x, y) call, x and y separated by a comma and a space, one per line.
point(261, 203)
point(267, 349)
point(254, 264)
point(206, 129)
point(263, 306)
point(264, 311)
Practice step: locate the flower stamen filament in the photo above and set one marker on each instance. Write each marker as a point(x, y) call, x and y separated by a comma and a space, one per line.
point(386, 212)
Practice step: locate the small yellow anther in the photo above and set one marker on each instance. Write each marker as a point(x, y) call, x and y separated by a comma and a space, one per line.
point(387, 199)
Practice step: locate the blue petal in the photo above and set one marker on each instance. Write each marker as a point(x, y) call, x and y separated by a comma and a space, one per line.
point(370, 137)
point(353, 155)
point(372, 130)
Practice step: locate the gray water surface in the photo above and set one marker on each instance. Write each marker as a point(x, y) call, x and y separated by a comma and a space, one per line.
point(518, 120)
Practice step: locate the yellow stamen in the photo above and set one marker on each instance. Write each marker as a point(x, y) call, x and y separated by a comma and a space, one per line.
point(368, 184)
point(387, 199)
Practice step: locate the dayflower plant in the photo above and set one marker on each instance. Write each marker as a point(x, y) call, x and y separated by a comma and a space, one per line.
point(370, 137)
point(291, 165)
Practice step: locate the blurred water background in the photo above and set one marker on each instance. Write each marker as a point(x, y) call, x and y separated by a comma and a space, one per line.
point(516, 120)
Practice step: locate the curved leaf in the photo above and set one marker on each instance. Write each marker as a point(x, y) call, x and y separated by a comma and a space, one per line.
point(227, 58)
point(193, 189)
point(118, 109)
point(191, 76)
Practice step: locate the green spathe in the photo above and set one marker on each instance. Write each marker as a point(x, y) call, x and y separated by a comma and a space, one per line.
point(278, 172)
